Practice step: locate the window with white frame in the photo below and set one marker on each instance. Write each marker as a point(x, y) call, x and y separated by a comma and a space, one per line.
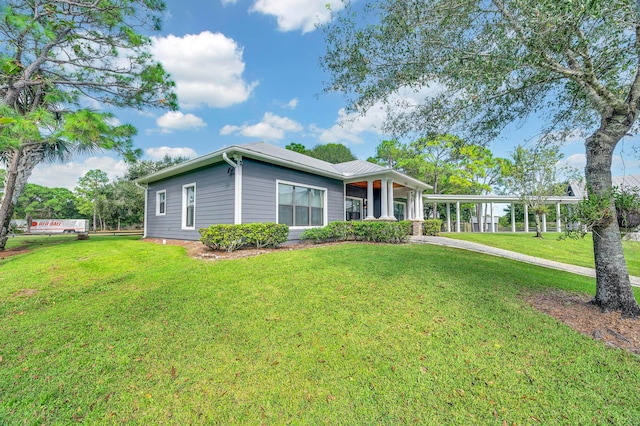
point(353, 208)
point(399, 210)
point(189, 206)
point(300, 205)
point(161, 203)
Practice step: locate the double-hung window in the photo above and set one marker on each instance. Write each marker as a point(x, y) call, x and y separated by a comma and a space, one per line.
point(189, 206)
point(300, 205)
point(161, 203)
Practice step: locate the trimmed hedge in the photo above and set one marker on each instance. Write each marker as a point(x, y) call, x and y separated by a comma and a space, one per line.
point(379, 232)
point(432, 227)
point(234, 237)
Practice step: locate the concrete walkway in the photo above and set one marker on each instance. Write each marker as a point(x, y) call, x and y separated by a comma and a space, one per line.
point(481, 248)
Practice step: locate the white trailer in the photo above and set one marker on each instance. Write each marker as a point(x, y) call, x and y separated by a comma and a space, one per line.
point(58, 226)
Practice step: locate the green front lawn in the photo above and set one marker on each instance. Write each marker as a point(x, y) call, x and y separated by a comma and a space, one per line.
point(116, 330)
point(576, 252)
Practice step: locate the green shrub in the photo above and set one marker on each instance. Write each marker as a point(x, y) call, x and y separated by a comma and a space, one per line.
point(233, 237)
point(266, 234)
point(380, 232)
point(432, 227)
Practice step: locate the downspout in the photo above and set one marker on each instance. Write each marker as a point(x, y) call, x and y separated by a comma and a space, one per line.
point(146, 196)
point(237, 166)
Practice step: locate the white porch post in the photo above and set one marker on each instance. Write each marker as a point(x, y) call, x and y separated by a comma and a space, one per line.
point(390, 198)
point(384, 204)
point(544, 222)
point(370, 199)
point(457, 216)
point(448, 217)
point(526, 217)
point(558, 224)
point(493, 225)
point(481, 218)
point(513, 217)
point(419, 205)
point(411, 211)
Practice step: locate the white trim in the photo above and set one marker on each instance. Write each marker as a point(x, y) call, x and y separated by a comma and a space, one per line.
point(404, 210)
point(238, 192)
point(146, 213)
point(183, 222)
point(325, 207)
point(158, 213)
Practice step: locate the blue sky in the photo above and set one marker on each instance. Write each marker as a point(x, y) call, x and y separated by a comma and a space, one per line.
point(249, 70)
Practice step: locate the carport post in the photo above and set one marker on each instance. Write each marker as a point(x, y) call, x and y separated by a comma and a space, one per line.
point(513, 217)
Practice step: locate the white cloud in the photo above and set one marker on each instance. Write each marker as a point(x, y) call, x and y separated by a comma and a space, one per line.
point(302, 15)
point(206, 67)
point(349, 127)
point(66, 175)
point(158, 153)
point(292, 104)
point(175, 120)
point(226, 2)
point(575, 160)
point(272, 127)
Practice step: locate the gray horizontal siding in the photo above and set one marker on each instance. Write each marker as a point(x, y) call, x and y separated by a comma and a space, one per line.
point(214, 202)
point(259, 192)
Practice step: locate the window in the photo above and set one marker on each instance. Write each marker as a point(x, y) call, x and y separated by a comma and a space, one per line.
point(399, 209)
point(161, 203)
point(189, 206)
point(353, 208)
point(300, 205)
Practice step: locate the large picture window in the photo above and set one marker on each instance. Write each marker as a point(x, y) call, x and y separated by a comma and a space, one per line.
point(300, 205)
point(189, 206)
point(161, 203)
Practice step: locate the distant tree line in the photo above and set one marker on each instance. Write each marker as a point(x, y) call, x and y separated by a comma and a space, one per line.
point(108, 204)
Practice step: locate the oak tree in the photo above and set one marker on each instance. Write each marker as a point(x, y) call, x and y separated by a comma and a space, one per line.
point(473, 67)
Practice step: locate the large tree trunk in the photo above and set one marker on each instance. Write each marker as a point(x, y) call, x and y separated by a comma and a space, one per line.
point(20, 164)
point(613, 288)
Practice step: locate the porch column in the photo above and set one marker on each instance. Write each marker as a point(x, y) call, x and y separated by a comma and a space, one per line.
point(384, 204)
point(526, 217)
point(513, 217)
point(419, 205)
point(448, 217)
point(493, 225)
point(457, 216)
point(481, 218)
point(410, 206)
point(370, 199)
point(544, 222)
point(390, 198)
point(558, 224)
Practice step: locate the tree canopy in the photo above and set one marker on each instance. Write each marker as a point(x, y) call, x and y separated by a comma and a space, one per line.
point(56, 58)
point(472, 68)
point(330, 152)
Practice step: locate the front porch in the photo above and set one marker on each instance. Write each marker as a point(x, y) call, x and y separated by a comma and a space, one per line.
point(383, 199)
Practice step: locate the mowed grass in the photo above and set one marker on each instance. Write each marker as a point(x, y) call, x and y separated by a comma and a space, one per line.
point(575, 252)
point(115, 330)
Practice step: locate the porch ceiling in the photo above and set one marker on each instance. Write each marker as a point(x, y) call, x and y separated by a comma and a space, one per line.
point(376, 184)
